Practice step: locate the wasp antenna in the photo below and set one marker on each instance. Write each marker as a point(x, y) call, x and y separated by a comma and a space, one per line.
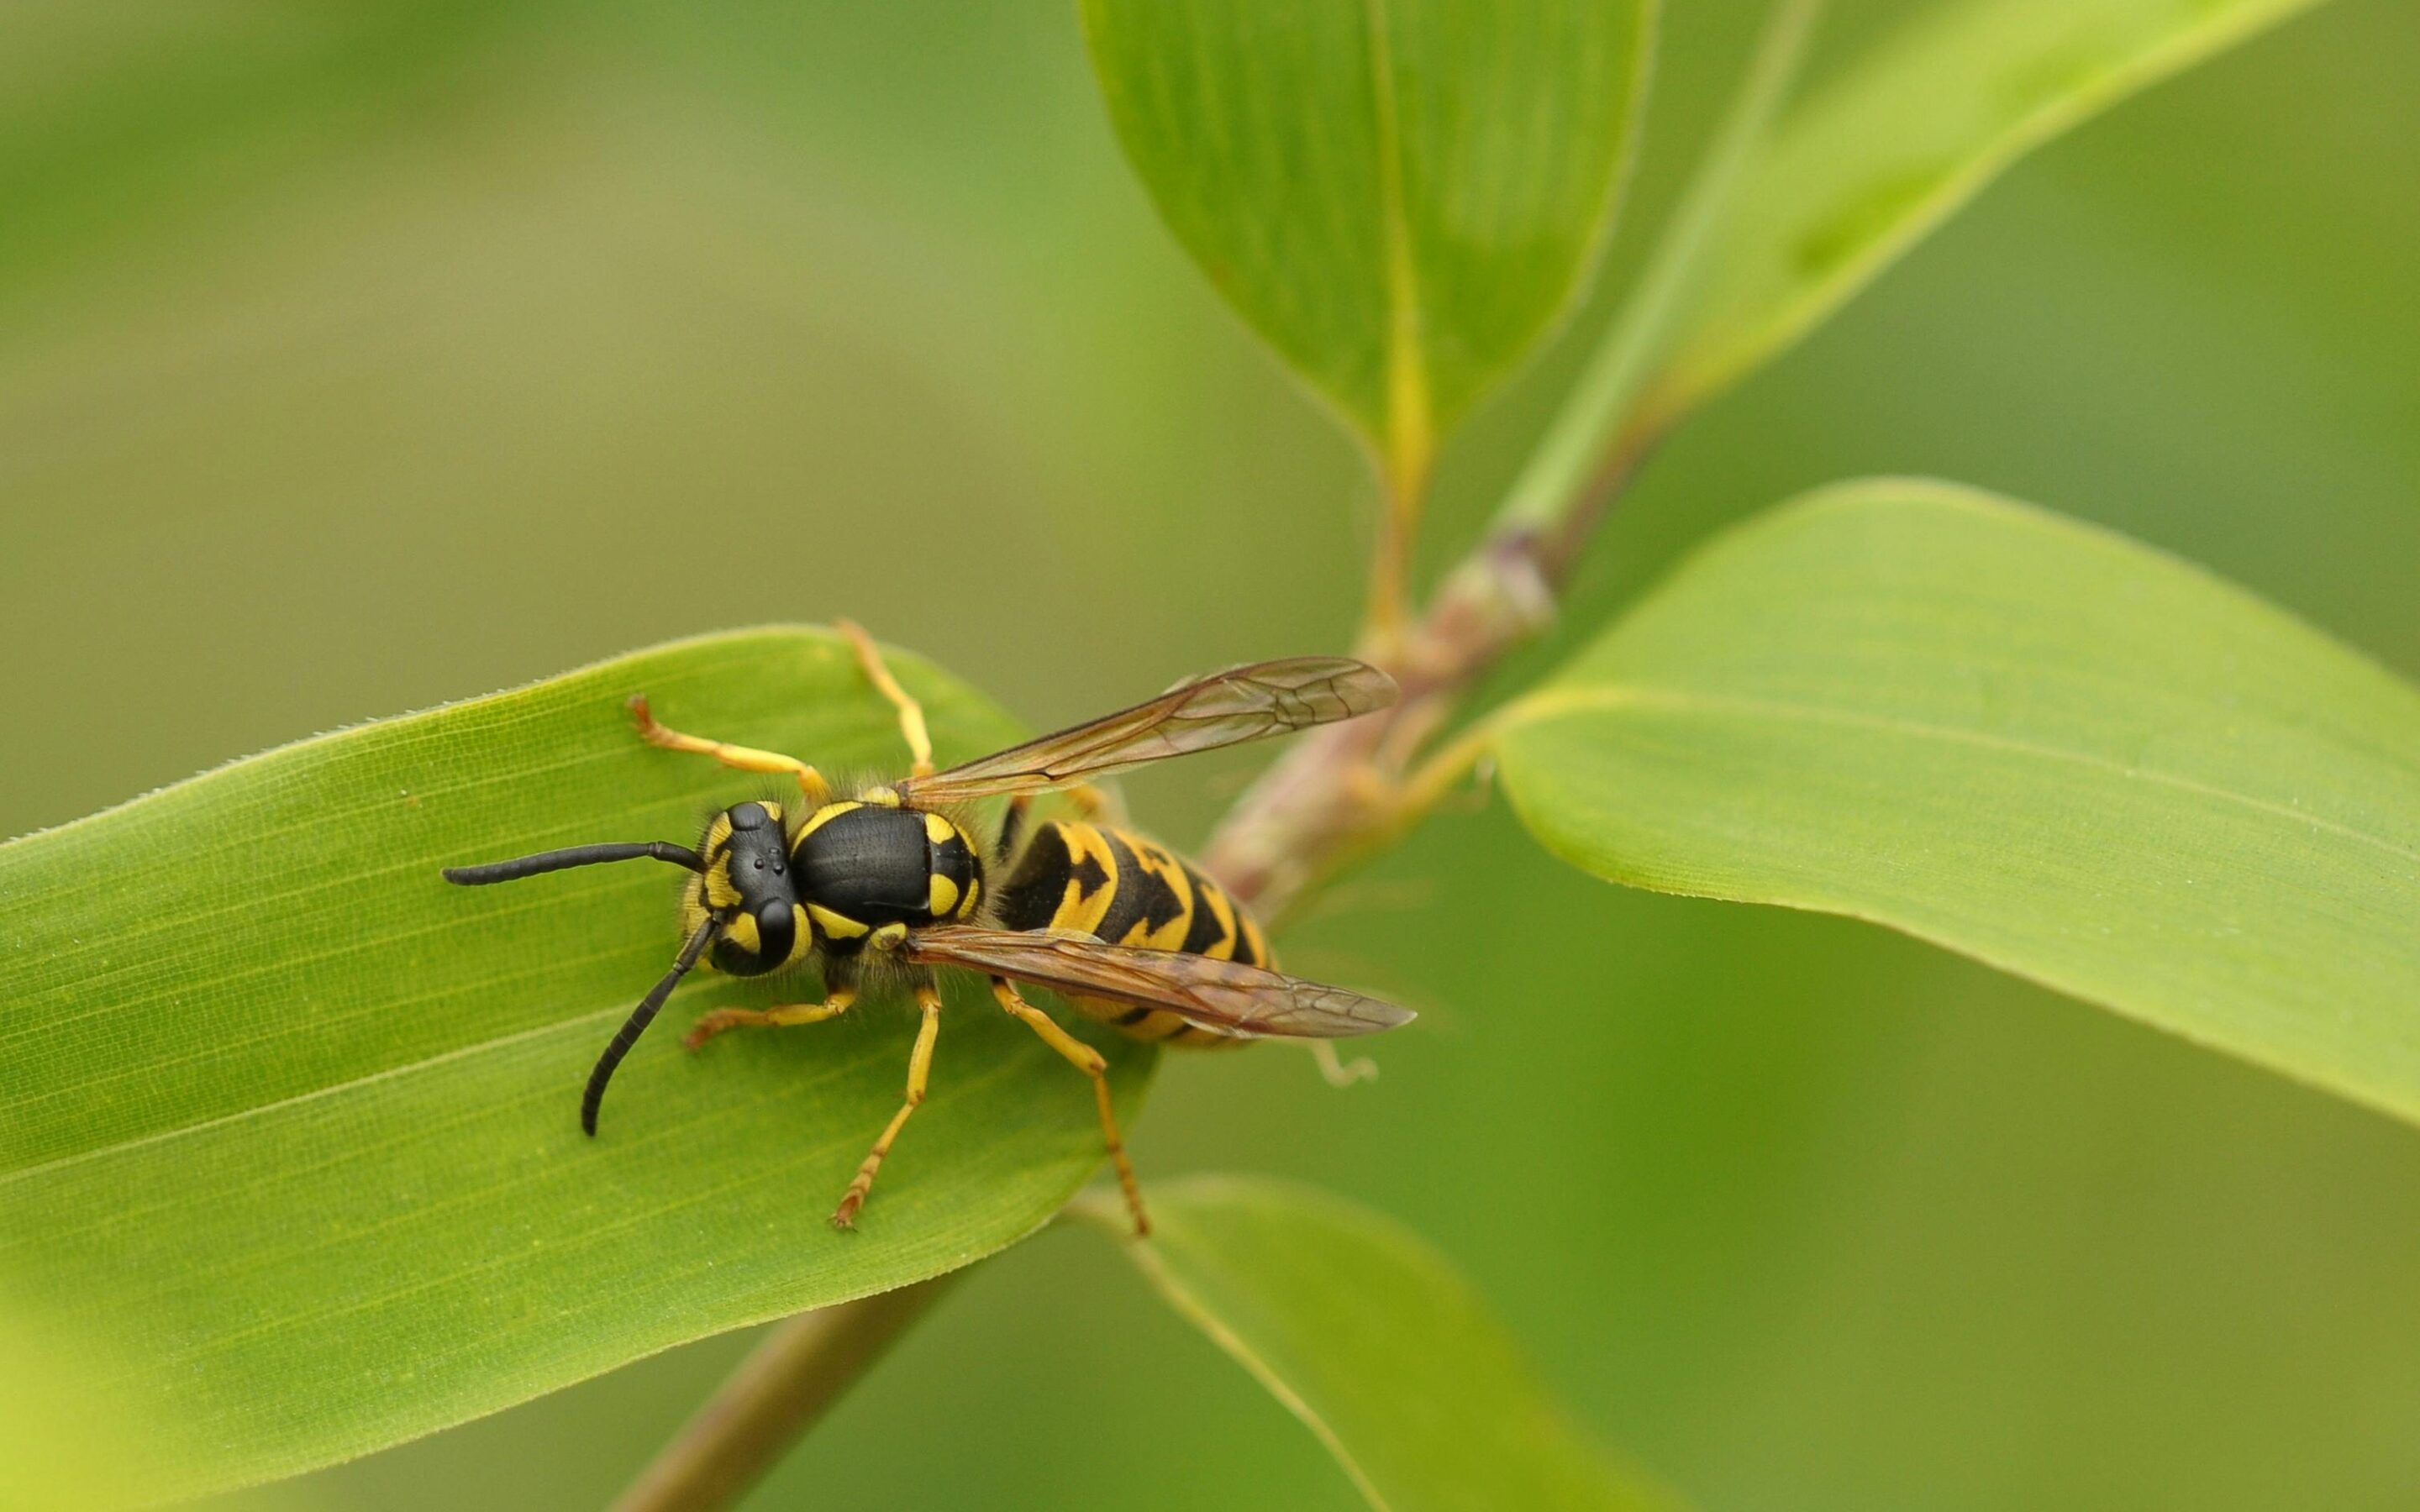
point(545, 861)
point(636, 1025)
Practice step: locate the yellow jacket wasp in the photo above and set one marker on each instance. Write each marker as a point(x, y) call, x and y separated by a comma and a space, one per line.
point(887, 880)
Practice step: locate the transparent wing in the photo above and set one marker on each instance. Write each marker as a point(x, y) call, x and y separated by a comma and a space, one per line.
point(1226, 996)
point(1267, 698)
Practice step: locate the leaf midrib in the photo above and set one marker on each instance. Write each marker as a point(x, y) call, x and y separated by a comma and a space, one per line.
point(315, 1094)
point(136, 1003)
point(270, 840)
point(1407, 397)
point(1543, 706)
point(799, 1158)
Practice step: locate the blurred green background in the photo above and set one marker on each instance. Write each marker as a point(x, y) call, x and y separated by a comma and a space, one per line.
point(354, 358)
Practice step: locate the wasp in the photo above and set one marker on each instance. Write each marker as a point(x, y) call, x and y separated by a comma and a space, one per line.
point(889, 882)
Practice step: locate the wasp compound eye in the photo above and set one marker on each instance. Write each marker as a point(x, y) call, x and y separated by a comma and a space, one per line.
point(777, 930)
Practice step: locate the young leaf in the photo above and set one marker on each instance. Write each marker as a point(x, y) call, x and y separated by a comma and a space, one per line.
point(290, 1126)
point(2023, 738)
point(1904, 138)
point(1400, 196)
point(1368, 1335)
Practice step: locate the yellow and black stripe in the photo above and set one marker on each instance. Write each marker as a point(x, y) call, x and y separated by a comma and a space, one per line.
point(738, 887)
point(862, 864)
point(1129, 890)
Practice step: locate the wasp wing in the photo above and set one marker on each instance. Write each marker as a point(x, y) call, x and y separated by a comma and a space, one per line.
point(1225, 995)
point(1266, 698)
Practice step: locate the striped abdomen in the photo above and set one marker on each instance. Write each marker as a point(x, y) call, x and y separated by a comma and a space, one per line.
point(1129, 890)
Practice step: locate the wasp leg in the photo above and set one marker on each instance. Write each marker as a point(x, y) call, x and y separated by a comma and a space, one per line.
point(1093, 802)
point(1088, 1060)
point(745, 758)
point(782, 1016)
point(912, 714)
point(920, 1063)
point(1012, 829)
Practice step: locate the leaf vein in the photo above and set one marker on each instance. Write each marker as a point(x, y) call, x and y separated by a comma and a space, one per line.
point(1538, 707)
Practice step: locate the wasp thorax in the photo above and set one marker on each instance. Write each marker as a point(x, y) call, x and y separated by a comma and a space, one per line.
point(862, 866)
point(747, 889)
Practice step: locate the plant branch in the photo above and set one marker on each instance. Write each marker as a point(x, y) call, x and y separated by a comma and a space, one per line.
point(1342, 789)
point(777, 1393)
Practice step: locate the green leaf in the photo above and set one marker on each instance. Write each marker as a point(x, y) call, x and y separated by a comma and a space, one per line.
point(2024, 738)
point(1400, 196)
point(289, 1126)
point(1904, 137)
point(1370, 1337)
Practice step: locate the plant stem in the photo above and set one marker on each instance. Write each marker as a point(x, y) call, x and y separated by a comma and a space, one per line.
point(1383, 621)
point(777, 1393)
point(1342, 788)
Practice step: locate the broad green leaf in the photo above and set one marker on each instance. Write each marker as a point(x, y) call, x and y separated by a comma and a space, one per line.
point(1370, 1337)
point(1902, 138)
point(290, 1126)
point(2024, 738)
point(1400, 196)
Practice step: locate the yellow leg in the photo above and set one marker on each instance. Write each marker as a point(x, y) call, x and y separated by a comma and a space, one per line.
point(912, 714)
point(784, 1017)
point(745, 758)
point(1088, 1060)
point(920, 1064)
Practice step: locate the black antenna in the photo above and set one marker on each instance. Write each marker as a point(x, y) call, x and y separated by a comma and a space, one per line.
point(636, 1025)
point(545, 861)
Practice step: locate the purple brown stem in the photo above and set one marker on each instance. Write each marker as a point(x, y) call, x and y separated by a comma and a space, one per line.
point(1335, 792)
